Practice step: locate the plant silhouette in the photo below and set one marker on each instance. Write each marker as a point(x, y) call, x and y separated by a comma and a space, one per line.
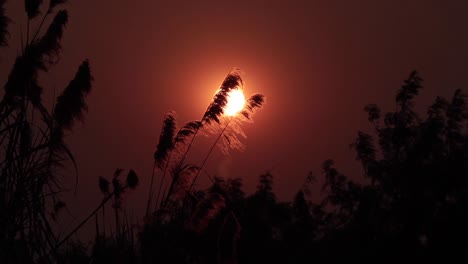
point(32, 138)
point(172, 151)
point(411, 205)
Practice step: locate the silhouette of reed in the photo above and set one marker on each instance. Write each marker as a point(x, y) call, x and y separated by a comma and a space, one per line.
point(163, 153)
point(230, 138)
point(117, 193)
point(31, 138)
point(173, 148)
point(216, 108)
point(412, 205)
point(181, 205)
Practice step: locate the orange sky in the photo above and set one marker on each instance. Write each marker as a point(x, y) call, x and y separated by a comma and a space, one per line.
point(317, 62)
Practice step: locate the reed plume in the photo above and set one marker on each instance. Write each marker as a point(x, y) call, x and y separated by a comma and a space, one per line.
point(49, 44)
point(166, 139)
point(71, 103)
point(232, 81)
point(32, 8)
point(70, 107)
point(184, 176)
point(232, 128)
point(255, 101)
point(55, 3)
point(104, 185)
point(162, 154)
point(211, 116)
point(39, 55)
point(216, 108)
point(31, 140)
point(187, 130)
point(132, 179)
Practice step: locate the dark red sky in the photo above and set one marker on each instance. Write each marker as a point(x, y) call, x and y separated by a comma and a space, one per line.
point(317, 62)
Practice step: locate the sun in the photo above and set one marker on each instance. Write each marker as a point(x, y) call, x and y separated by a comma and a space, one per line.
point(235, 102)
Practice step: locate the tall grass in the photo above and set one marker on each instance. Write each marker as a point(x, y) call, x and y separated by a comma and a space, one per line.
point(32, 147)
point(173, 148)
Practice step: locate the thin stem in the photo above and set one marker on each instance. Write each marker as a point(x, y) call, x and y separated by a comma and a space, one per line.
point(162, 180)
point(22, 41)
point(193, 138)
point(150, 195)
point(27, 34)
point(164, 194)
point(208, 155)
point(40, 26)
point(179, 166)
point(84, 221)
point(97, 225)
point(116, 211)
point(188, 147)
point(103, 221)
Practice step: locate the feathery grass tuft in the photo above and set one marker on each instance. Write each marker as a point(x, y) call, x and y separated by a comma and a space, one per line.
point(232, 81)
point(104, 185)
point(55, 3)
point(162, 155)
point(32, 8)
point(40, 55)
point(132, 179)
point(22, 81)
point(166, 139)
point(187, 130)
point(32, 144)
point(71, 103)
point(255, 101)
point(49, 44)
point(233, 128)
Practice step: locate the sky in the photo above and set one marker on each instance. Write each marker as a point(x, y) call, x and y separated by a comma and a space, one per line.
point(318, 63)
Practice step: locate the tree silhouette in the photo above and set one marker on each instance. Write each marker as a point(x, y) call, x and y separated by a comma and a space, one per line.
point(416, 203)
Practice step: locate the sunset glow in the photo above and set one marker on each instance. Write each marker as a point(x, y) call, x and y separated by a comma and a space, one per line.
point(235, 103)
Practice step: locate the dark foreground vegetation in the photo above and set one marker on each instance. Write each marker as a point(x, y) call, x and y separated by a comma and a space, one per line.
point(413, 207)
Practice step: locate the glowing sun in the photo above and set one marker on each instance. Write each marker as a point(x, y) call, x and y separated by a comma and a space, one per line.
point(235, 102)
